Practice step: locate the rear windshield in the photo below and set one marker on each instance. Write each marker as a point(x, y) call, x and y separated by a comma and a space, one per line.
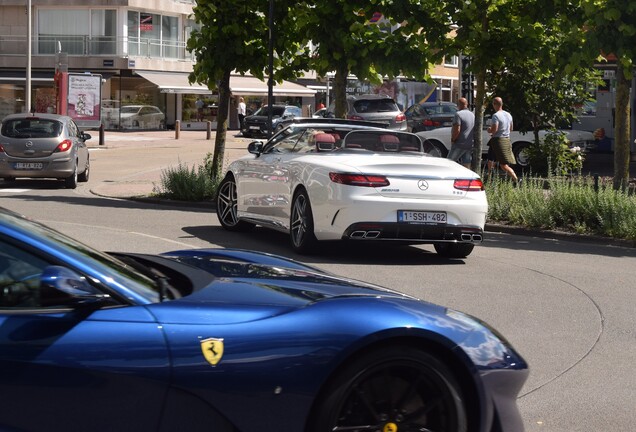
point(375, 105)
point(31, 128)
point(276, 111)
point(440, 109)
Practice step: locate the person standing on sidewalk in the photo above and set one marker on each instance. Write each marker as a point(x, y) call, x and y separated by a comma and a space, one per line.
point(499, 145)
point(462, 134)
point(241, 112)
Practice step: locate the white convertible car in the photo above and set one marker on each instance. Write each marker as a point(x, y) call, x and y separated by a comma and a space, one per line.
point(440, 139)
point(328, 179)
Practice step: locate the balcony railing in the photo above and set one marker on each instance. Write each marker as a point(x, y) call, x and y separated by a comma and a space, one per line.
point(11, 45)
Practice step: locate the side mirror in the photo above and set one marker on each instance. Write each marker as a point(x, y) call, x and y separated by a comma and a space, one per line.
point(255, 147)
point(86, 136)
point(62, 286)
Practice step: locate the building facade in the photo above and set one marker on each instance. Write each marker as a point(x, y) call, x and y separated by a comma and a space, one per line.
point(139, 49)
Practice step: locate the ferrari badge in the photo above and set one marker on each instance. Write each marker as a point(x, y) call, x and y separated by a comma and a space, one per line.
point(212, 349)
point(390, 427)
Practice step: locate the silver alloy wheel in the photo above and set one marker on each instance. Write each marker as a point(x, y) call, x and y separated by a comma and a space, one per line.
point(301, 223)
point(226, 204)
point(299, 220)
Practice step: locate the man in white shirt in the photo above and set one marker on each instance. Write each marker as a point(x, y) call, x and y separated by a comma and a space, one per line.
point(241, 112)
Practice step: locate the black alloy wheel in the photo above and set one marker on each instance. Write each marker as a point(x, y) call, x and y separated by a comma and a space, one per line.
point(226, 206)
point(301, 224)
point(398, 388)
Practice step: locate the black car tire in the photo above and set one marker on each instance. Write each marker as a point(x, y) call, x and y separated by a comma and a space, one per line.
point(226, 205)
point(71, 182)
point(83, 177)
point(393, 388)
point(435, 148)
point(301, 224)
point(521, 156)
point(454, 250)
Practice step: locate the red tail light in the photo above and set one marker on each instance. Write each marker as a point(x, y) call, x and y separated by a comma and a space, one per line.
point(63, 146)
point(359, 179)
point(354, 117)
point(429, 122)
point(1, 148)
point(400, 118)
point(471, 185)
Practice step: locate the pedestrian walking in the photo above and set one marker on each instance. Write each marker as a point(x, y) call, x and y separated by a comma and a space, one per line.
point(462, 134)
point(199, 104)
point(241, 112)
point(499, 145)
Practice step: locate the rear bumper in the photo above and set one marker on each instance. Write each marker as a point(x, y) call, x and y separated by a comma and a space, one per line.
point(414, 233)
point(60, 168)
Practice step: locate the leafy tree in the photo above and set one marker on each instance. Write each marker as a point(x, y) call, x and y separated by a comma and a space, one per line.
point(346, 42)
point(516, 44)
point(611, 29)
point(234, 37)
point(542, 96)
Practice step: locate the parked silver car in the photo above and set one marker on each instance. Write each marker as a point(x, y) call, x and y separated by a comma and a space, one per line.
point(142, 117)
point(373, 107)
point(43, 146)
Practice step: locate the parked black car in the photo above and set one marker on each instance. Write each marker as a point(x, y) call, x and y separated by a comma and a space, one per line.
point(425, 116)
point(256, 124)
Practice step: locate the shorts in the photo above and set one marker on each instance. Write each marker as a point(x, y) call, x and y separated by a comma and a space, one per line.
point(460, 155)
point(500, 150)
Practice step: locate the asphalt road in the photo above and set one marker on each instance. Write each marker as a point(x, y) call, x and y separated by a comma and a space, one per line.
point(567, 306)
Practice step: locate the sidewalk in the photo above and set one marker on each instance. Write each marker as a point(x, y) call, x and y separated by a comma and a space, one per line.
point(130, 164)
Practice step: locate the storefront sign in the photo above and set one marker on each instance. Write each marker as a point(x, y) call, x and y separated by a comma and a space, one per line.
point(145, 22)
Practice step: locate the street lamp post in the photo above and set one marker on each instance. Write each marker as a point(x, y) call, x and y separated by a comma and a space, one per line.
point(270, 81)
point(27, 90)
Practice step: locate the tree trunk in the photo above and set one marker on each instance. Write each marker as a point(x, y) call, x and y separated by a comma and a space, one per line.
point(621, 130)
point(221, 126)
point(479, 120)
point(340, 91)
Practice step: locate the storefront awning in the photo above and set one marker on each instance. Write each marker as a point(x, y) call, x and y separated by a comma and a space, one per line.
point(251, 86)
point(169, 82)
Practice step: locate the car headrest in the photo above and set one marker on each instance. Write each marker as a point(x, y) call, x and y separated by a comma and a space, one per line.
point(390, 142)
point(325, 142)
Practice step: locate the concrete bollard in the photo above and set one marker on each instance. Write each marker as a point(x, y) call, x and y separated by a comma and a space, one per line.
point(177, 129)
point(208, 129)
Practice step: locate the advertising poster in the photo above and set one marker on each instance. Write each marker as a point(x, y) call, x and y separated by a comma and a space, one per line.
point(84, 99)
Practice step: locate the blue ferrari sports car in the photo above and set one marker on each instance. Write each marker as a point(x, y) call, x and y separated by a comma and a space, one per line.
point(232, 341)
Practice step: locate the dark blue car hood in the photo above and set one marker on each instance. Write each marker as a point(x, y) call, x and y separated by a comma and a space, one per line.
point(249, 290)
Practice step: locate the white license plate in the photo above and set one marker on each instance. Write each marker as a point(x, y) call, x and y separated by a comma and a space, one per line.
point(28, 165)
point(421, 216)
point(255, 127)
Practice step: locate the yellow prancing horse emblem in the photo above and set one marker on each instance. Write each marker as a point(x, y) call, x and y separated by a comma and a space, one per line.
point(212, 349)
point(390, 427)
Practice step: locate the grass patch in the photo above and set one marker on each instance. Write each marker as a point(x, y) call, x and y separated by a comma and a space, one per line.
point(183, 183)
point(573, 204)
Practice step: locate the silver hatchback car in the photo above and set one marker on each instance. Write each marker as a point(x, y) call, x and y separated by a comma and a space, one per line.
point(373, 107)
point(43, 146)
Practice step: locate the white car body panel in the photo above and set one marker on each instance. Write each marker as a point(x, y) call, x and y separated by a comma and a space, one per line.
point(266, 185)
point(582, 139)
